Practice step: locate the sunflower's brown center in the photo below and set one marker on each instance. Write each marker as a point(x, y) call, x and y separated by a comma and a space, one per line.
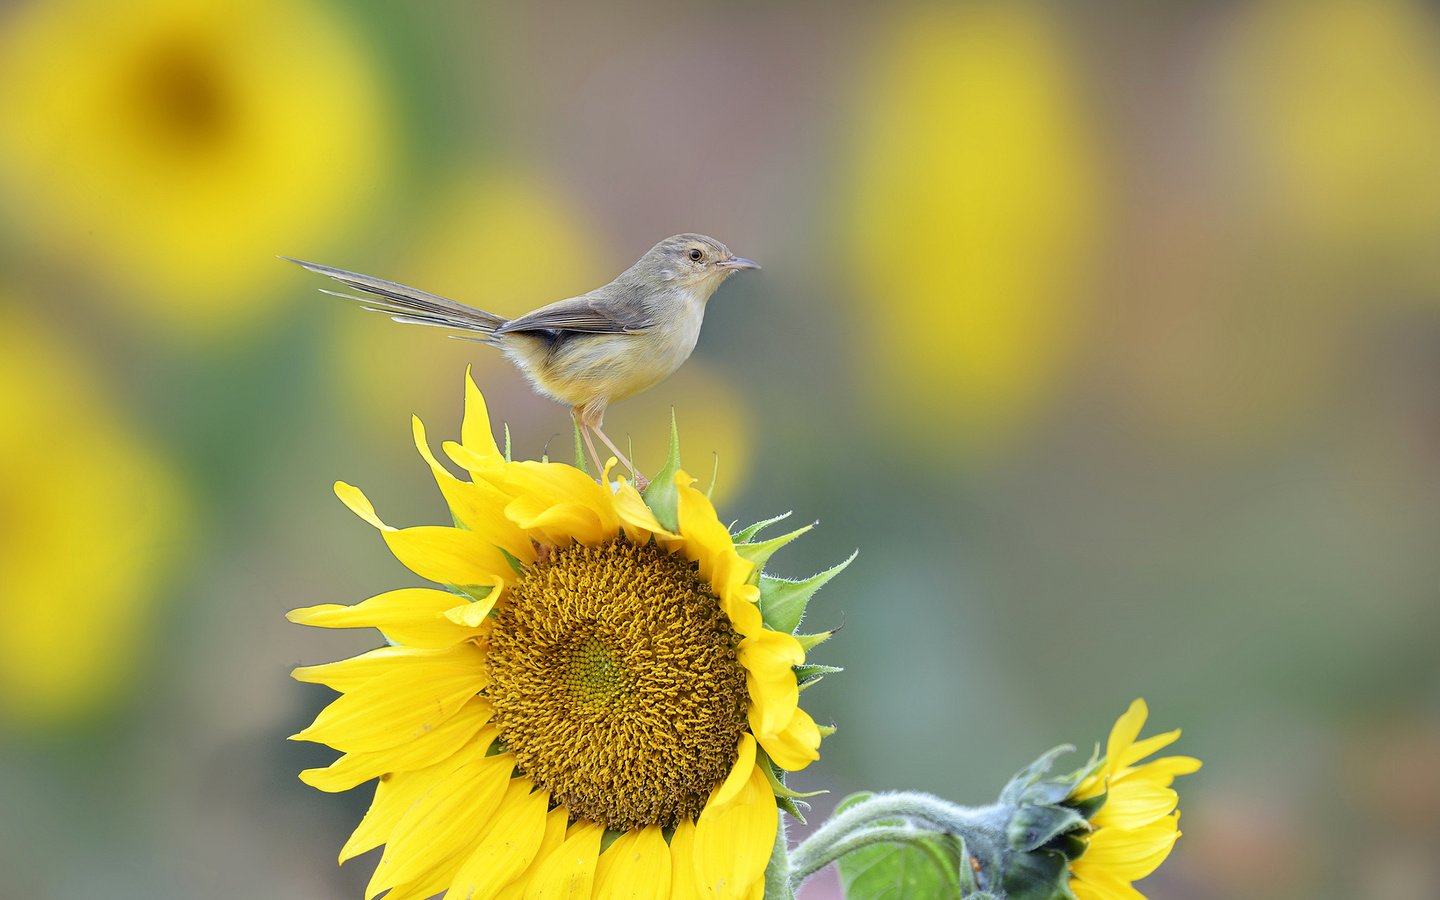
point(182, 94)
point(615, 683)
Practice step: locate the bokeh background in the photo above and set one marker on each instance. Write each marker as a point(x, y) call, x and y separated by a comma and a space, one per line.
point(1108, 333)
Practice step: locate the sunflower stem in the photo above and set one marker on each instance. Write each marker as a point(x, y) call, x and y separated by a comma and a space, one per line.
point(780, 879)
point(900, 817)
point(809, 860)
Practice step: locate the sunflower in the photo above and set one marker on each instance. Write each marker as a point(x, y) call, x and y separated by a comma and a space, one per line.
point(171, 147)
point(113, 540)
point(1138, 824)
point(594, 704)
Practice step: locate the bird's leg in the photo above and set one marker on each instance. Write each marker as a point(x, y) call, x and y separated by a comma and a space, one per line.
point(589, 441)
point(641, 482)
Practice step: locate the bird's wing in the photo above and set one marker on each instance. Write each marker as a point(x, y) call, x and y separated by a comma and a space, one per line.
point(407, 304)
point(590, 313)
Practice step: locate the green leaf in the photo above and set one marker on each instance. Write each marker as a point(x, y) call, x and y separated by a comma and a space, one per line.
point(782, 602)
point(927, 869)
point(661, 496)
point(749, 534)
point(760, 553)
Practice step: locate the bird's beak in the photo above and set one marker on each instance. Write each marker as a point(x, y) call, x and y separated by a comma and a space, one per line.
point(737, 262)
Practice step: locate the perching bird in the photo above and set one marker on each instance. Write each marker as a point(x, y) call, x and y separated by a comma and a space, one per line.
point(591, 350)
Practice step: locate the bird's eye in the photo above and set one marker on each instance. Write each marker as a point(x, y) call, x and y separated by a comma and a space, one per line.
point(696, 253)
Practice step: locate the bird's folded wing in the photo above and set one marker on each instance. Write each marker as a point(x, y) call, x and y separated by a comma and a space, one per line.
point(591, 314)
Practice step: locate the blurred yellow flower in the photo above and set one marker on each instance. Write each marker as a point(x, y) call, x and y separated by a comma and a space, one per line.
point(91, 515)
point(503, 240)
point(1138, 824)
point(973, 218)
point(176, 147)
point(1340, 99)
point(589, 671)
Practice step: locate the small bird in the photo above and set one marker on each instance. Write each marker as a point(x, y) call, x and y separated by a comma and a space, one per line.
point(587, 351)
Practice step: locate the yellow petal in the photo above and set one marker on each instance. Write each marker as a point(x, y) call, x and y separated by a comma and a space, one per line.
point(394, 796)
point(1096, 884)
point(359, 504)
point(475, 427)
point(1153, 744)
point(1126, 730)
point(733, 842)
point(740, 602)
point(426, 750)
point(684, 877)
point(401, 705)
point(739, 773)
point(1130, 854)
point(1131, 805)
point(569, 870)
point(476, 613)
point(1163, 771)
point(414, 617)
point(443, 823)
point(768, 658)
point(558, 524)
point(422, 888)
point(635, 517)
point(636, 865)
point(448, 555)
point(513, 835)
point(707, 541)
point(348, 674)
point(796, 746)
point(555, 822)
point(477, 505)
point(480, 467)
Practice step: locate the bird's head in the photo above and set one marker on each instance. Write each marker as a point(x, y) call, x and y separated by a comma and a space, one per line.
point(692, 261)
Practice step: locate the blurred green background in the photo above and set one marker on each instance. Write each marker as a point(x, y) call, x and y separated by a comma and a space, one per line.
point(1109, 333)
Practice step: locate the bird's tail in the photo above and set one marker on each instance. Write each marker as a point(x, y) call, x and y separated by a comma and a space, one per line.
point(407, 304)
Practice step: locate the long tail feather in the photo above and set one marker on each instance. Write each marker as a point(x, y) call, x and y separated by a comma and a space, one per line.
point(407, 304)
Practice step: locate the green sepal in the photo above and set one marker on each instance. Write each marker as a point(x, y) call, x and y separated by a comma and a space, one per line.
point(475, 592)
point(825, 730)
point(714, 474)
point(760, 552)
point(782, 602)
point(1072, 845)
point(514, 561)
point(1027, 778)
point(935, 865)
point(1089, 806)
point(661, 496)
point(785, 798)
point(809, 642)
point(1034, 826)
point(507, 443)
point(746, 535)
point(809, 673)
point(581, 462)
point(1041, 875)
point(777, 779)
